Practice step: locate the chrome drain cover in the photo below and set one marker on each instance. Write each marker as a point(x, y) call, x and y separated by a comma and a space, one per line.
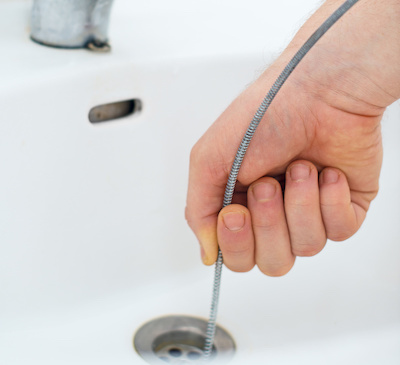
point(180, 340)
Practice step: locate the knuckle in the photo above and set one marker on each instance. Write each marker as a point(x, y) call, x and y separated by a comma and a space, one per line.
point(276, 270)
point(265, 227)
point(239, 267)
point(195, 154)
point(237, 251)
point(341, 231)
point(307, 250)
point(299, 203)
point(209, 163)
point(188, 216)
point(340, 236)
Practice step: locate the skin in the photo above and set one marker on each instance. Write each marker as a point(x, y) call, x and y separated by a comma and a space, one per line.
point(312, 168)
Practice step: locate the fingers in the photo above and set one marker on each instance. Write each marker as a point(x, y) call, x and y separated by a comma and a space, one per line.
point(261, 237)
point(303, 212)
point(273, 251)
point(342, 217)
point(235, 237)
point(273, 230)
point(317, 210)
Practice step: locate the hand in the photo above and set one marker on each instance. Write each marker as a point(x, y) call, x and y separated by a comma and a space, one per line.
point(320, 140)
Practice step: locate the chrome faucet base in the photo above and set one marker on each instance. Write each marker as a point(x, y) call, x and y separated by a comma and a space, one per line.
point(71, 23)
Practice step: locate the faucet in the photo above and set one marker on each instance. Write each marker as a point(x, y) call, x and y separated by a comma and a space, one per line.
point(71, 23)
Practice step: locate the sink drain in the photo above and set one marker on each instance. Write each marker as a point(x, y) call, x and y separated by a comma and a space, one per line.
point(180, 340)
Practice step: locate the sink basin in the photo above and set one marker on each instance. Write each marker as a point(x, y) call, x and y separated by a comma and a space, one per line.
point(93, 237)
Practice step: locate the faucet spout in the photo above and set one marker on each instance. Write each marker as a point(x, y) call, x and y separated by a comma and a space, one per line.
point(71, 23)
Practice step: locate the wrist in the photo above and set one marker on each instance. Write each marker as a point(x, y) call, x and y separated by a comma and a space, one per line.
point(355, 67)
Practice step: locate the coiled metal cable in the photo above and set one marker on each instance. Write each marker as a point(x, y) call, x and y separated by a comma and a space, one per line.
point(230, 186)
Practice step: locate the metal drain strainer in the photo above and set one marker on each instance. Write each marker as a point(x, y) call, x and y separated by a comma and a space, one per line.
point(180, 340)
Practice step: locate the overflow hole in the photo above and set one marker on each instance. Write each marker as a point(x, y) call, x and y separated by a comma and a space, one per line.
point(112, 111)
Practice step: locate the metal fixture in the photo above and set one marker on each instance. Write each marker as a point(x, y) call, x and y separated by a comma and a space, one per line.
point(71, 23)
point(180, 340)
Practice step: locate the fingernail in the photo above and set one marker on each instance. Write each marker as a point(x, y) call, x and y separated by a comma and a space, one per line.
point(264, 191)
point(330, 177)
point(208, 245)
point(299, 172)
point(234, 221)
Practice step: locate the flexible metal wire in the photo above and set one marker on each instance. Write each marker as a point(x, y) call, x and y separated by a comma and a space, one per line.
point(230, 186)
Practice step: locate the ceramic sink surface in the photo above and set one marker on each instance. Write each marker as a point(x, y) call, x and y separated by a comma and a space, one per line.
point(93, 237)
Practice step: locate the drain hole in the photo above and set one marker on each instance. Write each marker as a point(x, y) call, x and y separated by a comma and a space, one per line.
point(111, 111)
point(186, 345)
point(180, 339)
point(175, 352)
point(192, 355)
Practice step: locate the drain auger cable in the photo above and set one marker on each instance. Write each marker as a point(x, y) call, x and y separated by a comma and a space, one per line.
point(230, 186)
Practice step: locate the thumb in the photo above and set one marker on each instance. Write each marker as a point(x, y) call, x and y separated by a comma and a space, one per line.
point(207, 179)
point(210, 161)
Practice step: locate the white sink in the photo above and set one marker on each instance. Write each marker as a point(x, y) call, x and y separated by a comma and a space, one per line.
point(93, 240)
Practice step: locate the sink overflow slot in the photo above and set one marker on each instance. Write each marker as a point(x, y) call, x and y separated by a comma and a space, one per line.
point(112, 111)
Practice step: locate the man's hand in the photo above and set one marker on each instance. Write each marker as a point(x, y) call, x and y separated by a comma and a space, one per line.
point(313, 166)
